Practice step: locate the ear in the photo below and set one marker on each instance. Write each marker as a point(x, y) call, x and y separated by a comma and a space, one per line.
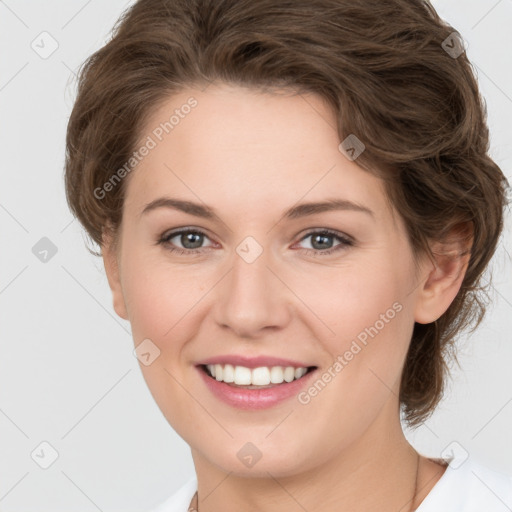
point(111, 264)
point(443, 275)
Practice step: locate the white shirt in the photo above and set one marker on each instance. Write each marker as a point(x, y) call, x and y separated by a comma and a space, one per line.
point(465, 486)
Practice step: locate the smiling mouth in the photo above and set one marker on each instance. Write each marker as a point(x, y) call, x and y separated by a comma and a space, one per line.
point(255, 378)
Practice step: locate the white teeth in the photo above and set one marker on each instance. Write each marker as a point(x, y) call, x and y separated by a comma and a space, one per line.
point(242, 375)
point(299, 372)
point(229, 373)
point(261, 376)
point(276, 375)
point(289, 373)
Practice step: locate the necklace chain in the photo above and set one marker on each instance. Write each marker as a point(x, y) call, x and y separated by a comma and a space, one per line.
point(194, 503)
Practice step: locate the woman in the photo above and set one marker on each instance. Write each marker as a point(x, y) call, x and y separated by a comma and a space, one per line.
point(295, 205)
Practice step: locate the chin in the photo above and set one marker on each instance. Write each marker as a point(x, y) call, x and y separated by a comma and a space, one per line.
point(247, 459)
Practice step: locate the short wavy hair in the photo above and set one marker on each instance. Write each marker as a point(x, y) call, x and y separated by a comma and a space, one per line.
point(393, 71)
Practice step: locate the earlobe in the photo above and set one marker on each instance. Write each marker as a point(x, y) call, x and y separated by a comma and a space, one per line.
point(443, 278)
point(111, 264)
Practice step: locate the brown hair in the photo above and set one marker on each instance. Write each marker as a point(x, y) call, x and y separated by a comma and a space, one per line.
point(391, 71)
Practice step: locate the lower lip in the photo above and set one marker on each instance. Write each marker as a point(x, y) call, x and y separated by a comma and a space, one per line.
point(244, 398)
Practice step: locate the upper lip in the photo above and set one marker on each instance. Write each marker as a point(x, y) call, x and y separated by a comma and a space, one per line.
point(253, 362)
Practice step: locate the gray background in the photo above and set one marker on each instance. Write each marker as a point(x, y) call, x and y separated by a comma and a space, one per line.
point(67, 372)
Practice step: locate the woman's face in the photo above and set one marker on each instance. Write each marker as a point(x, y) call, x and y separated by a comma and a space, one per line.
point(251, 281)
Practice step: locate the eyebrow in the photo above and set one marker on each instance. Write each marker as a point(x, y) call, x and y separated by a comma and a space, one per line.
point(295, 212)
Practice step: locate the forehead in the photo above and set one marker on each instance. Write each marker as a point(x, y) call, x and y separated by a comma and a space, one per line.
point(242, 146)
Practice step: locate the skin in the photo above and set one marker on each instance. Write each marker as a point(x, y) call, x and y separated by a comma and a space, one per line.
point(250, 156)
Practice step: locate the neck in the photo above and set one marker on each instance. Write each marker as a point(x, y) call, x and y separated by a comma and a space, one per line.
point(377, 472)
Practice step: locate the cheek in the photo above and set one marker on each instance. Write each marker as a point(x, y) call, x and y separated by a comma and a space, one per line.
point(369, 309)
point(160, 301)
point(356, 299)
point(157, 294)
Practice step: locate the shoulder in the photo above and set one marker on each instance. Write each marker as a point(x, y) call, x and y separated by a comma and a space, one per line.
point(180, 500)
point(469, 486)
point(488, 488)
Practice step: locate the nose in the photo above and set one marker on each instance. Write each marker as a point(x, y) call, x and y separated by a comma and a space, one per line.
point(252, 298)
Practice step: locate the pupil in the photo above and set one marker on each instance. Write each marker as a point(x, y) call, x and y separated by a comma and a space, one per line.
point(189, 237)
point(323, 238)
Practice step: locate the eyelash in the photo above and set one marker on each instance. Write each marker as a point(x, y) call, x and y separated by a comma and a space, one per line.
point(345, 241)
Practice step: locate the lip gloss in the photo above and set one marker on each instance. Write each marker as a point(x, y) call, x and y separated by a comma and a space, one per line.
point(244, 398)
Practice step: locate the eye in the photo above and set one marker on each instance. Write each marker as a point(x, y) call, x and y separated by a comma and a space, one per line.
point(321, 242)
point(190, 239)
